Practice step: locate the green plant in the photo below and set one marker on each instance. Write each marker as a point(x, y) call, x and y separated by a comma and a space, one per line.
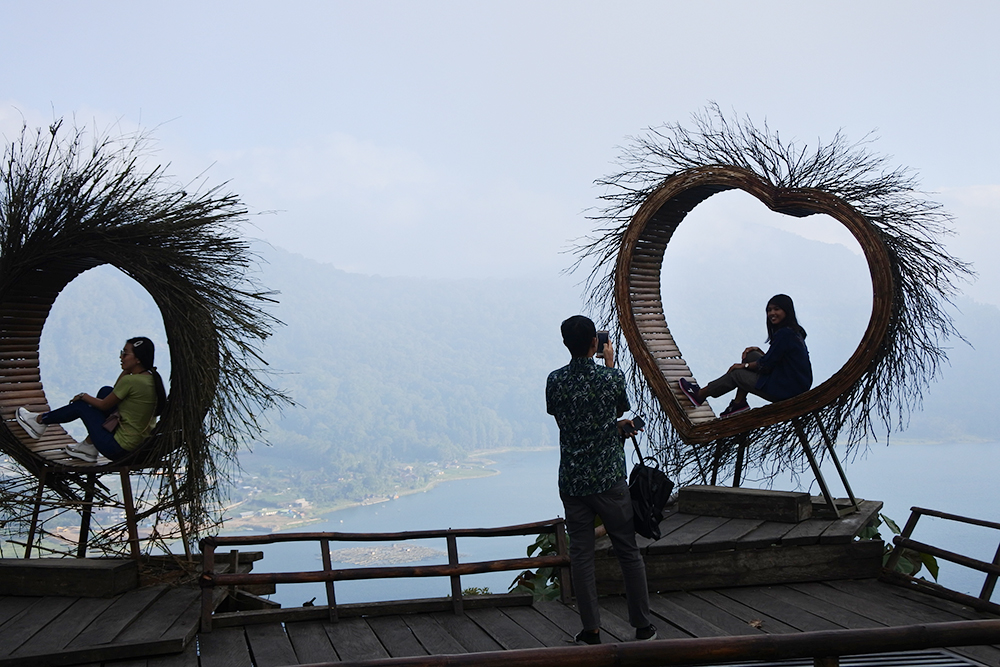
point(543, 584)
point(473, 590)
point(910, 561)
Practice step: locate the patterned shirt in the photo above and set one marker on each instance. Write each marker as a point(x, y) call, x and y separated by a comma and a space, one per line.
point(586, 400)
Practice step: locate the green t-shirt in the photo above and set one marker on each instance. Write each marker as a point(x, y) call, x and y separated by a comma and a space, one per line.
point(137, 405)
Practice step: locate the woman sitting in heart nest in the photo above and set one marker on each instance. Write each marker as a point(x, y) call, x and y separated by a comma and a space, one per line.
point(137, 398)
point(782, 372)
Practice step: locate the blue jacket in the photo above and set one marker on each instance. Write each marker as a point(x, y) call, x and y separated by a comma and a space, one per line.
point(785, 370)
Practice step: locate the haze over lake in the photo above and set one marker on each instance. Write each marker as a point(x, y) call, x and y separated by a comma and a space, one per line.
point(962, 482)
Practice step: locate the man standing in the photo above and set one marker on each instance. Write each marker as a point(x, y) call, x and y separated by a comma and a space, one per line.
point(587, 401)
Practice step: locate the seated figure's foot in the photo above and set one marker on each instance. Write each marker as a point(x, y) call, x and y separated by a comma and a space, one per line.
point(735, 408)
point(29, 422)
point(588, 637)
point(691, 390)
point(83, 451)
point(645, 634)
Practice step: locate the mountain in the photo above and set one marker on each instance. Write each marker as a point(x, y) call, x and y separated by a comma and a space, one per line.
point(387, 372)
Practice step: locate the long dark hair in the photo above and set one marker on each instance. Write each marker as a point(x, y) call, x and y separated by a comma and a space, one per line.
point(145, 352)
point(784, 302)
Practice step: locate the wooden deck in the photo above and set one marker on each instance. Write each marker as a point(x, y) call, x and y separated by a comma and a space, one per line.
point(716, 577)
point(154, 627)
point(697, 551)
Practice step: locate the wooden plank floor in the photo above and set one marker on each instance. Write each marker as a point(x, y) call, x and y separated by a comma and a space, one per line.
point(150, 621)
point(130, 630)
point(680, 533)
point(710, 613)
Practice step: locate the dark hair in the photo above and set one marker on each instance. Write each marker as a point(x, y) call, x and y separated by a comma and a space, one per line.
point(784, 302)
point(145, 352)
point(578, 332)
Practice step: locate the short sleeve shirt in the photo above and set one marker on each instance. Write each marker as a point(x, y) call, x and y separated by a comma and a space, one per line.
point(586, 400)
point(137, 403)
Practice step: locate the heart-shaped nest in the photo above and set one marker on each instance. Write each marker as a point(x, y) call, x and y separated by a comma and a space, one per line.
point(669, 171)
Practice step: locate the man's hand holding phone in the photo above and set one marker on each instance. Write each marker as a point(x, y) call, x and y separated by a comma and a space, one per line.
point(630, 427)
point(605, 349)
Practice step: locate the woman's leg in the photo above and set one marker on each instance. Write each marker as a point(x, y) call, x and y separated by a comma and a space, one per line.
point(93, 419)
point(741, 379)
point(750, 356)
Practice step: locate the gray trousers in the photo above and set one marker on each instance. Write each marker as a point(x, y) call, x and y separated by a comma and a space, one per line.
point(614, 506)
point(738, 378)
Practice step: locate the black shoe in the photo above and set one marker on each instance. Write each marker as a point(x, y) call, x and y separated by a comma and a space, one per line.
point(690, 390)
point(735, 408)
point(645, 634)
point(588, 637)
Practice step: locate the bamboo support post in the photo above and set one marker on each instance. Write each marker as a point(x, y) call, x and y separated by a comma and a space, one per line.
point(130, 520)
point(815, 468)
point(180, 516)
point(34, 515)
point(85, 514)
point(836, 461)
point(740, 456)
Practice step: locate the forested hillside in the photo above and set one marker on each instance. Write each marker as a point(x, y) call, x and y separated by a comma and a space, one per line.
point(389, 374)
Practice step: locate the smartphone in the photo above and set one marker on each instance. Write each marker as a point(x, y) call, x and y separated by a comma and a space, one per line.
point(637, 425)
point(602, 339)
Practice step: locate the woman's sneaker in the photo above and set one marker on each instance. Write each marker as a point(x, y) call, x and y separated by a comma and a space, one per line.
point(27, 421)
point(735, 408)
point(645, 634)
point(585, 637)
point(83, 451)
point(690, 390)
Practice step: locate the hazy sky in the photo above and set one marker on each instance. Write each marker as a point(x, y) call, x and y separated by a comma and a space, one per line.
point(463, 138)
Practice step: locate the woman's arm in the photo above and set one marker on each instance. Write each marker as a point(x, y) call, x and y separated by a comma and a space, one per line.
point(782, 342)
point(106, 404)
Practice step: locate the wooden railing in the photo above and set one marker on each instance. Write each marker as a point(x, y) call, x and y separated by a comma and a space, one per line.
point(904, 541)
point(453, 569)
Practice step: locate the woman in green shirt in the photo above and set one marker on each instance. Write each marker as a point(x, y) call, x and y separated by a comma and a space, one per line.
point(138, 396)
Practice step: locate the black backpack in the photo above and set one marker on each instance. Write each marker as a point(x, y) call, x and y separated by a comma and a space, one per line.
point(650, 490)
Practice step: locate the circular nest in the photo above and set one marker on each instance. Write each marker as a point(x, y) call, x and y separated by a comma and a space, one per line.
point(667, 173)
point(65, 208)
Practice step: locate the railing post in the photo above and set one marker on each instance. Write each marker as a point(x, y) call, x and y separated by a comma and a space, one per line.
point(897, 551)
point(207, 584)
point(991, 580)
point(456, 580)
point(562, 548)
point(331, 594)
point(234, 567)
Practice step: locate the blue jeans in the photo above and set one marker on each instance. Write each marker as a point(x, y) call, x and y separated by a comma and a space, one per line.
point(93, 419)
point(614, 506)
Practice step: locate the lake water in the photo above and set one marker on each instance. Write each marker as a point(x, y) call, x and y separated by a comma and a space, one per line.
point(956, 478)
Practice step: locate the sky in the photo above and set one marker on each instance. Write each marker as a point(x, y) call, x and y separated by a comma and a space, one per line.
point(461, 139)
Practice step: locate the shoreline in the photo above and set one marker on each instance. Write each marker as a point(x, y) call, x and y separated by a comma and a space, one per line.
point(278, 523)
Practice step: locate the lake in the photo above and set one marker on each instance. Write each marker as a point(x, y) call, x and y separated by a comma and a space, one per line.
point(955, 478)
